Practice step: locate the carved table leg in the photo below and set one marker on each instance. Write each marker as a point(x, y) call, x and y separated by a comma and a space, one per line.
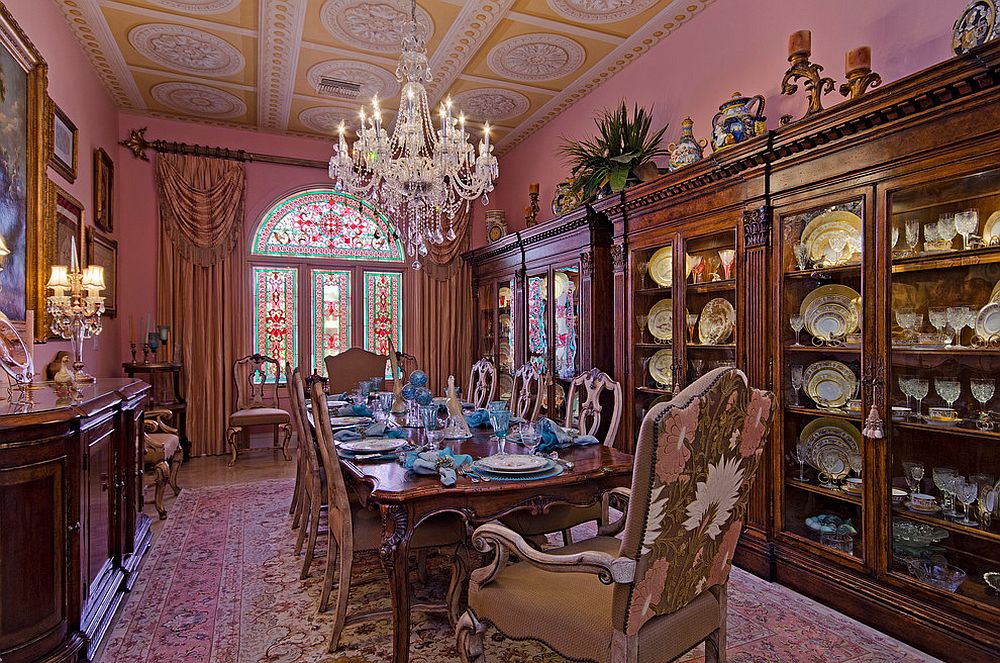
point(231, 434)
point(394, 555)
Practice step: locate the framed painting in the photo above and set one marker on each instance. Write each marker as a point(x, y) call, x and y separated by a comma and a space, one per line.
point(69, 236)
point(63, 159)
point(103, 251)
point(26, 224)
point(104, 182)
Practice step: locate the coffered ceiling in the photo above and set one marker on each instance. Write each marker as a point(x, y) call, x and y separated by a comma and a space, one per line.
point(263, 63)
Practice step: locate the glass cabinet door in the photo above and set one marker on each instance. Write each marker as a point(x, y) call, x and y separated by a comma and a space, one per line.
point(538, 328)
point(566, 332)
point(944, 346)
point(652, 374)
point(487, 329)
point(506, 321)
point(709, 304)
point(820, 330)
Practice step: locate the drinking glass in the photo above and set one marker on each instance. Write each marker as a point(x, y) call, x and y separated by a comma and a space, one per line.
point(906, 386)
point(530, 437)
point(966, 223)
point(385, 401)
point(838, 242)
point(728, 257)
point(691, 319)
point(797, 322)
point(801, 456)
point(956, 320)
point(938, 317)
point(904, 318)
point(983, 390)
point(498, 405)
point(365, 388)
point(970, 318)
point(967, 492)
point(376, 384)
point(894, 238)
point(643, 268)
point(801, 255)
point(948, 388)
point(795, 373)
point(943, 477)
point(429, 420)
point(931, 234)
point(501, 424)
point(946, 229)
point(919, 388)
point(696, 367)
point(855, 461)
point(913, 472)
point(642, 319)
point(912, 232)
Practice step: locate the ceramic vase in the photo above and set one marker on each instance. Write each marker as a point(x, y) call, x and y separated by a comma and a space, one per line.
point(687, 149)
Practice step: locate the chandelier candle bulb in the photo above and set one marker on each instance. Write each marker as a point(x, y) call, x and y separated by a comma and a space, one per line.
point(800, 43)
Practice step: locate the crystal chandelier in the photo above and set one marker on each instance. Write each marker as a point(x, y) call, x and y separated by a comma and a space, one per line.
point(420, 175)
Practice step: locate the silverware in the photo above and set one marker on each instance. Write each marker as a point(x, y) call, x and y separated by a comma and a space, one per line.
point(481, 477)
point(568, 464)
point(463, 473)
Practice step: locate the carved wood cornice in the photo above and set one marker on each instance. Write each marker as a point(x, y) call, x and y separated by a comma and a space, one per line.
point(582, 218)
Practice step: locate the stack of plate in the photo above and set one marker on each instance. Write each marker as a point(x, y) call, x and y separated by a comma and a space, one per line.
point(829, 383)
point(831, 311)
point(830, 225)
point(829, 442)
point(371, 448)
point(516, 467)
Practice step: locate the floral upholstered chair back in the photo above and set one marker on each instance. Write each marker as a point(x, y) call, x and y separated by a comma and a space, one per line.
point(256, 377)
point(482, 383)
point(526, 394)
point(589, 388)
point(695, 463)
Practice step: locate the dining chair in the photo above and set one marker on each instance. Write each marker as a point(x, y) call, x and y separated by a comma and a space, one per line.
point(526, 394)
point(162, 453)
point(482, 383)
point(257, 378)
point(354, 528)
point(347, 369)
point(301, 468)
point(660, 590)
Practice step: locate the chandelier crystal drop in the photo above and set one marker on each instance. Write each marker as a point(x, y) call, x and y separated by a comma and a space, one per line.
point(423, 173)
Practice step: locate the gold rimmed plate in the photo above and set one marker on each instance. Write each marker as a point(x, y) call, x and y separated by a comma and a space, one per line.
point(826, 433)
point(829, 383)
point(661, 266)
point(988, 321)
point(661, 320)
point(661, 367)
point(817, 234)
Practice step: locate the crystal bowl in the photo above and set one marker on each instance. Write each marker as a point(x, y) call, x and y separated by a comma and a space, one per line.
point(916, 534)
point(939, 575)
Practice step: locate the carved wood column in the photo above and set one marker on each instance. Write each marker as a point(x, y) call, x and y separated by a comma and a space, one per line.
point(754, 311)
point(622, 327)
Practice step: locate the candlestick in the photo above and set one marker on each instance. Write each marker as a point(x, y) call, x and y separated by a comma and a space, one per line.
point(799, 45)
point(860, 77)
point(131, 348)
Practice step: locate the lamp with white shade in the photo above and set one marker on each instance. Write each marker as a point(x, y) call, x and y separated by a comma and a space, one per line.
point(76, 306)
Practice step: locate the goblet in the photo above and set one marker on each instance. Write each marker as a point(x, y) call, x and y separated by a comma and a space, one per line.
point(906, 386)
point(795, 374)
point(966, 223)
point(797, 322)
point(501, 424)
point(728, 257)
point(912, 232)
point(643, 268)
point(833, 467)
point(983, 390)
point(919, 387)
point(904, 318)
point(696, 367)
point(943, 477)
point(801, 456)
point(939, 319)
point(894, 238)
point(931, 234)
point(855, 461)
point(967, 492)
point(913, 472)
point(801, 255)
point(946, 229)
point(429, 419)
point(949, 389)
point(642, 319)
point(838, 242)
point(970, 318)
point(691, 319)
point(956, 320)
point(530, 437)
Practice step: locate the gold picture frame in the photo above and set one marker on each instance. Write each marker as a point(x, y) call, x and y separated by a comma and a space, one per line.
point(64, 157)
point(69, 223)
point(103, 251)
point(23, 157)
point(104, 190)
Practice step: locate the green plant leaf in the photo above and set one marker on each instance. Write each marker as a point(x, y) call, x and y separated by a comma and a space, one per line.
point(618, 177)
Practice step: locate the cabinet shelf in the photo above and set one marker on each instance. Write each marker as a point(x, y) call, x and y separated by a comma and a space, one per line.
point(655, 346)
point(816, 412)
point(915, 351)
point(654, 290)
point(817, 489)
point(653, 390)
point(824, 273)
point(965, 429)
point(947, 260)
point(712, 286)
point(984, 534)
point(707, 346)
point(824, 349)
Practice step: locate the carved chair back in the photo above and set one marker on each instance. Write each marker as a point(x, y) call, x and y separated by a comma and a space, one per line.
point(256, 377)
point(482, 383)
point(695, 464)
point(589, 387)
point(525, 395)
point(339, 507)
point(353, 365)
point(305, 444)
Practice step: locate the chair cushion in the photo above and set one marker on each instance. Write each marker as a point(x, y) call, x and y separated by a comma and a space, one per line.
point(445, 529)
point(259, 415)
point(570, 612)
point(162, 446)
point(666, 637)
point(558, 518)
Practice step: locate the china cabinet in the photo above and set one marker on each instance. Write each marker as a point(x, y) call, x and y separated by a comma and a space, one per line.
point(544, 295)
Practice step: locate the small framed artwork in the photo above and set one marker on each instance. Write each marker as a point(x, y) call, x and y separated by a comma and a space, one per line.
point(104, 187)
point(64, 145)
point(69, 244)
point(103, 251)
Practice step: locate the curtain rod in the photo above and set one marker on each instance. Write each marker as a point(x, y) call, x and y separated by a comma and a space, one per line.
point(138, 144)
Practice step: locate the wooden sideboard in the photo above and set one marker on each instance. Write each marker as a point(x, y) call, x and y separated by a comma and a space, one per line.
point(72, 531)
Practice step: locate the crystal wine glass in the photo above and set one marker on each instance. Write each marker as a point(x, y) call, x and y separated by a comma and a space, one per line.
point(797, 321)
point(913, 472)
point(838, 242)
point(643, 268)
point(946, 229)
point(691, 319)
point(956, 320)
point(728, 258)
point(949, 389)
point(919, 387)
point(931, 234)
point(983, 390)
point(942, 479)
point(801, 255)
point(906, 386)
point(894, 238)
point(801, 456)
point(966, 223)
point(939, 319)
point(967, 492)
point(642, 319)
point(912, 231)
point(795, 374)
point(904, 318)
point(970, 318)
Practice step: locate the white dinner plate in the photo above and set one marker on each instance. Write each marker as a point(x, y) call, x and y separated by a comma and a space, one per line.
point(514, 463)
point(373, 445)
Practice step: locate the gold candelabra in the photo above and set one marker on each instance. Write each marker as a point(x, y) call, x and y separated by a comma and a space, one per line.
point(816, 85)
point(531, 211)
point(76, 306)
point(858, 69)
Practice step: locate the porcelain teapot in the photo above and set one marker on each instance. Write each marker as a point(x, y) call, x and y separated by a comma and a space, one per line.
point(687, 149)
point(737, 121)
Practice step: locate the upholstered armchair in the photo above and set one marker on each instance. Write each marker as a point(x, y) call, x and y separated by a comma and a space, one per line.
point(660, 590)
point(162, 454)
point(482, 383)
point(257, 377)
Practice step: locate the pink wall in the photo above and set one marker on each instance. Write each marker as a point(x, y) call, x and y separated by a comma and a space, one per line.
point(80, 93)
point(731, 46)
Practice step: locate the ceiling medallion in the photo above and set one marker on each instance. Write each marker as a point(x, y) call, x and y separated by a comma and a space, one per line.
point(326, 119)
point(536, 57)
point(199, 99)
point(374, 80)
point(378, 25)
point(198, 6)
point(600, 11)
point(492, 104)
point(185, 49)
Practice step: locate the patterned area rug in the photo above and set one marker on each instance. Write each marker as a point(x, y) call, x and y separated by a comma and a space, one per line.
point(221, 585)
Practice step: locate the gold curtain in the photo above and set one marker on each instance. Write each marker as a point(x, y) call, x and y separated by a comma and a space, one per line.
point(203, 289)
point(445, 315)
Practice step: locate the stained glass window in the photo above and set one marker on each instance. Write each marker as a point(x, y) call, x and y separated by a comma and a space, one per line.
point(275, 297)
point(331, 315)
point(383, 311)
point(322, 223)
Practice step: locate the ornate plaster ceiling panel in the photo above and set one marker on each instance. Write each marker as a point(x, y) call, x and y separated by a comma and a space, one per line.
point(259, 63)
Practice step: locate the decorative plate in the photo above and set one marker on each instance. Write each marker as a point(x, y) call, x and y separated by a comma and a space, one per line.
point(830, 308)
point(833, 460)
point(349, 421)
point(975, 26)
point(829, 383)
point(828, 433)
point(988, 321)
point(995, 295)
point(661, 266)
point(373, 445)
point(824, 227)
point(514, 463)
point(718, 319)
point(991, 229)
point(661, 367)
point(661, 320)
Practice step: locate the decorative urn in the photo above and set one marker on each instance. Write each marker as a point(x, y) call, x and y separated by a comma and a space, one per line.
point(738, 120)
point(687, 149)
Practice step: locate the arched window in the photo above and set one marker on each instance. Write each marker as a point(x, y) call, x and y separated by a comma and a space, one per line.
point(326, 274)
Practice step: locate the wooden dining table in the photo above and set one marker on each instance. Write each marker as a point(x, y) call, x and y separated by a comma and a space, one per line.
point(406, 499)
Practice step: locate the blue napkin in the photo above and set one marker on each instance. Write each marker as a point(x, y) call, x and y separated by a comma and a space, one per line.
point(354, 411)
point(478, 418)
point(375, 430)
point(443, 463)
point(555, 437)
